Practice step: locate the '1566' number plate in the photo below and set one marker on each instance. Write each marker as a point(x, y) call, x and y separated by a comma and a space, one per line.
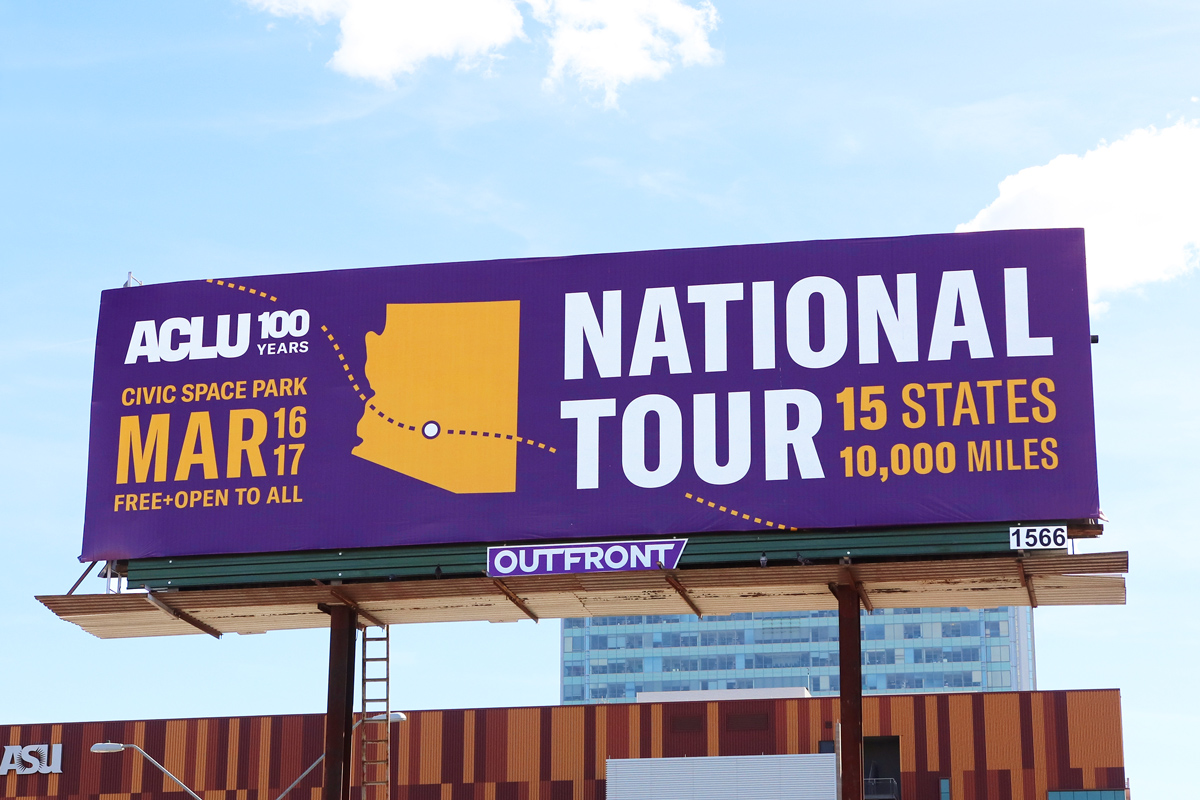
point(1038, 538)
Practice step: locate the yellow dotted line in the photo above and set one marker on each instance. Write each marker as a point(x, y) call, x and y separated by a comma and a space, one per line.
point(734, 512)
point(346, 369)
point(401, 426)
point(519, 439)
point(237, 287)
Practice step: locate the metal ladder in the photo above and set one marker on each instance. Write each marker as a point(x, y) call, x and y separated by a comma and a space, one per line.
point(375, 738)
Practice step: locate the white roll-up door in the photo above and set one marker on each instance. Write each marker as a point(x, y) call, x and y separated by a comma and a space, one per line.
point(790, 777)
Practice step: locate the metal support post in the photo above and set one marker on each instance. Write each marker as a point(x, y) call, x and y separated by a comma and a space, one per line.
point(850, 671)
point(339, 724)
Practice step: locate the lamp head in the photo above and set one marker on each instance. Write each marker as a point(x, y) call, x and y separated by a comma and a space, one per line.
point(107, 747)
point(395, 716)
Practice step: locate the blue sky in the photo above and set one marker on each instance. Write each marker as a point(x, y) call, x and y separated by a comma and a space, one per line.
point(190, 139)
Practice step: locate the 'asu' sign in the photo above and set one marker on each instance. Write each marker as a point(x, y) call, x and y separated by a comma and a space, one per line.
point(881, 382)
point(44, 759)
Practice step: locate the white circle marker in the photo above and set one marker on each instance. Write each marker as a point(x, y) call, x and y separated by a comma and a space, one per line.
point(430, 430)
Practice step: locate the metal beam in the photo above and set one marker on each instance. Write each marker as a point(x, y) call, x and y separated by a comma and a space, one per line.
point(516, 601)
point(683, 592)
point(183, 616)
point(850, 576)
point(1027, 583)
point(342, 598)
point(339, 730)
point(850, 689)
point(75, 585)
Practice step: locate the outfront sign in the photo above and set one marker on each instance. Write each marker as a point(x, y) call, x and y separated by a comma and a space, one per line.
point(834, 384)
point(572, 558)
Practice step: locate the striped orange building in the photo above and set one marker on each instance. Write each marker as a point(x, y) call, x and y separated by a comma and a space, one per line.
point(998, 746)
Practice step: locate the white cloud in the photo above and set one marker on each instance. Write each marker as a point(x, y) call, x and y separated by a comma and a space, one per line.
point(320, 10)
point(382, 39)
point(1137, 199)
point(604, 44)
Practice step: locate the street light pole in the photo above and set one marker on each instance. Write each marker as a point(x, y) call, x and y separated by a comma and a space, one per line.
point(114, 747)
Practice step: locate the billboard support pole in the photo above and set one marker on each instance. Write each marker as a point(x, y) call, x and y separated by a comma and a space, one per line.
point(343, 636)
point(850, 679)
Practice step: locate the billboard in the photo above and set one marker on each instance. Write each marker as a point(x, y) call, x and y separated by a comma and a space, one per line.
point(828, 384)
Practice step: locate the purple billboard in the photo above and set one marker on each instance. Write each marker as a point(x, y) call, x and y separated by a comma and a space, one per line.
point(831, 384)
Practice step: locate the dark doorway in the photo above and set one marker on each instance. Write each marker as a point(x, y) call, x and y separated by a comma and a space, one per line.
point(881, 767)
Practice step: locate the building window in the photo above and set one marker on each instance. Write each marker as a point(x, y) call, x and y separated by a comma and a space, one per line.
point(999, 680)
point(791, 660)
point(997, 628)
point(816, 633)
point(937, 655)
point(1088, 794)
point(714, 638)
point(879, 657)
point(953, 630)
point(944, 785)
point(676, 639)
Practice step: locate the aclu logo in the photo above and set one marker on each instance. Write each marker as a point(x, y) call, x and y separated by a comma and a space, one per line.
point(32, 759)
point(180, 338)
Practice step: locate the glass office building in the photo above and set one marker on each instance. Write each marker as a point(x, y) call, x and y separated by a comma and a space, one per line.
point(611, 659)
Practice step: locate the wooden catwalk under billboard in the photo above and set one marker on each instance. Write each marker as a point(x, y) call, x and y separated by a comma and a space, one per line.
point(1034, 580)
